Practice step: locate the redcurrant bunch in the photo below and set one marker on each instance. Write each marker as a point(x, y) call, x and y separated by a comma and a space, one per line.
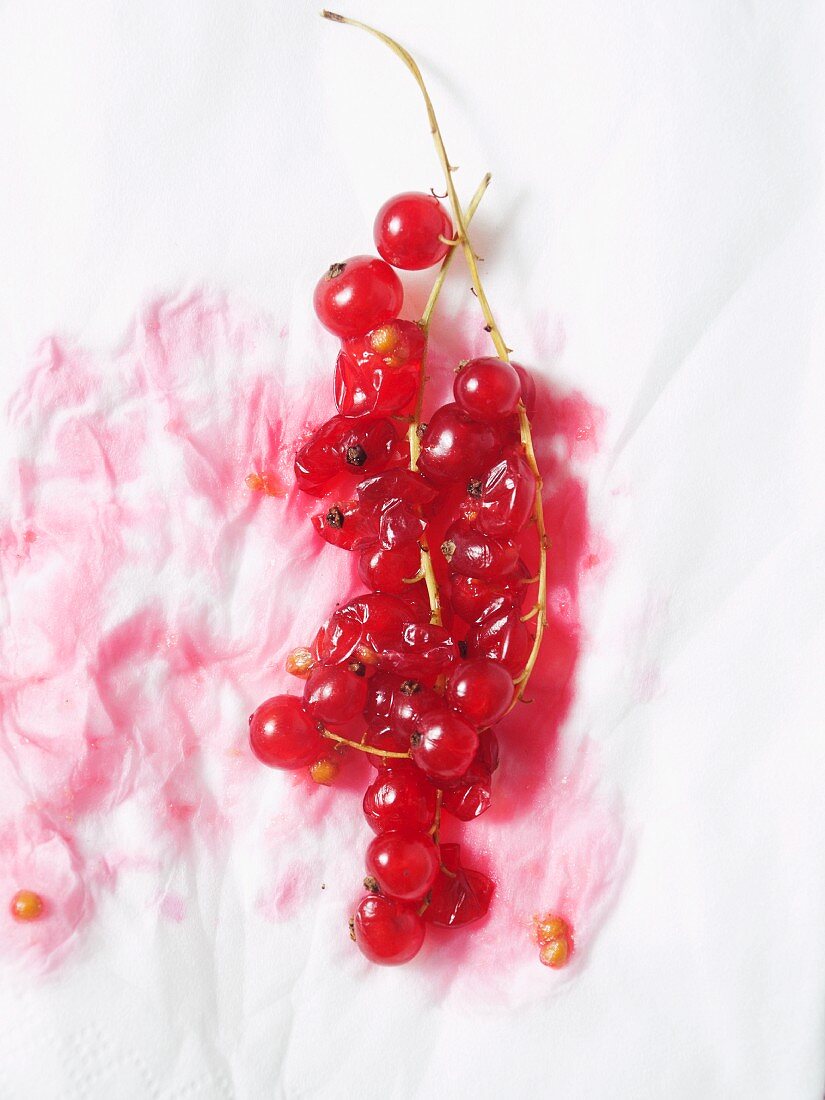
point(417, 670)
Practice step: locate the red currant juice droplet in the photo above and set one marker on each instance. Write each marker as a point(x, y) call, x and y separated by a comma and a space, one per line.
point(409, 228)
point(358, 295)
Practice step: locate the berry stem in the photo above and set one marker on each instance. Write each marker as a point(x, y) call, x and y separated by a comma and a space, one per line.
point(426, 571)
point(501, 348)
point(363, 748)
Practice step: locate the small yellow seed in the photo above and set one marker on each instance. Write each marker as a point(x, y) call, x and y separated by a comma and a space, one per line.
point(299, 663)
point(551, 928)
point(384, 339)
point(325, 771)
point(26, 905)
point(555, 953)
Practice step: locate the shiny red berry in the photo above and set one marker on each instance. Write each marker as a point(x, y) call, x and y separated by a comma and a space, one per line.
point(475, 554)
point(408, 228)
point(387, 931)
point(404, 864)
point(443, 744)
point(481, 690)
point(505, 497)
point(455, 447)
point(334, 694)
point(358, 295)
point(283, 735)
point(400, 798)
point(487, 389)
point(378, 372)
point(502, 636)
point(389, 570)
point(473, 599)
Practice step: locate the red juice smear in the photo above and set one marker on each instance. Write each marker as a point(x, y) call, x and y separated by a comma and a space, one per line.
point(155, 554)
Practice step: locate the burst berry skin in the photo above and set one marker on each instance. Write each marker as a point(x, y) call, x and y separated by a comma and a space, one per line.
point(506, 498)
point(399, 798)
point(443, 745)
point(389, 570)
point(481, 690)
point(503, 637)
point(475, 554)
point(387, 931)
point(473, 599)
point(404, 864)
point(528, 389)
point(454, 447)
point(282, 735)
point(335, 693)
point(407, 230)
point(487, 389)
point(358, 295)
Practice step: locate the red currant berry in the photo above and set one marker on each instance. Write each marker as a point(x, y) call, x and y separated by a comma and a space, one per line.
point(400, 798)
point(481, 690)
point(335, 693)
point(344, 525)
point(389, 570)
point(443, 744)
point(408, 229)
point(506, 496)
point(454, 447)
point(387, 931)
point(358, 295)
point(404, 864)
point(473, 599)
point(487, 389)
point(283, 735)
point(478, 555)
point(502, 636)
point(460, 895)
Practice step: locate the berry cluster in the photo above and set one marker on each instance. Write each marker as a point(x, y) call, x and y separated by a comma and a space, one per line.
point(416, 671)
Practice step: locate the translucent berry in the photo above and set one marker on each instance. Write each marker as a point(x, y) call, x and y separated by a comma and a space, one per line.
point(506, 496)
point(283, 735)
point(475, 554)
point(399, 798)
point(343, 524)
point(404, 864)
point(460, 895)
point(389, 570)
point(387, 931)
point(378, 372)
point(504, 637)
point(473, 599)
point(443, 744)
point(408, 229)
point(455, 448)
point(358, 295)
point(336, 693)
point(481, 690)
point(487, 389)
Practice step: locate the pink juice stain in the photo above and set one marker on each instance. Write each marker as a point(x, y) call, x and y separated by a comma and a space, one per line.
point(150, 484)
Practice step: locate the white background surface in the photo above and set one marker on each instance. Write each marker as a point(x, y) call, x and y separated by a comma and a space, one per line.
point(656, 187)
